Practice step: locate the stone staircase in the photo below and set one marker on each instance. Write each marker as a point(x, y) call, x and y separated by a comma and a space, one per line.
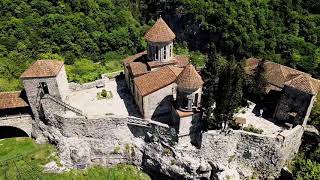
point(65, 105)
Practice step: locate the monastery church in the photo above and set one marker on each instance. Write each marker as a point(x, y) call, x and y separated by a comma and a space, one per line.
point(164, 86)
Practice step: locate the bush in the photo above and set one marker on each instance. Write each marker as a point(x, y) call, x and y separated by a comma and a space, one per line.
point(104, 93)
point(116, 149)
point(167, 152)
point(253, 129)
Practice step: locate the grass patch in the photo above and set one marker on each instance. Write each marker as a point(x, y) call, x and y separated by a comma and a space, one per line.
point(22, 158)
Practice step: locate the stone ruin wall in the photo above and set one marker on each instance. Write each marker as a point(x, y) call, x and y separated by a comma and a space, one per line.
point(95, 141)
point(251, 153)
point(103, 141)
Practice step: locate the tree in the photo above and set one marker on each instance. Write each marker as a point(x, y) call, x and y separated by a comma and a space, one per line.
point(255, 85)
point(222, 90)
point(211, 78)
point(229, 92)
point(315, 113)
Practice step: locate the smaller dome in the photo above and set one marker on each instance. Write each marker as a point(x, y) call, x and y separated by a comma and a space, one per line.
point(189, 79)
point(160, 32)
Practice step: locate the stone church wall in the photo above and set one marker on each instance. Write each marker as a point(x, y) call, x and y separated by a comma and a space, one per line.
point(157, 102)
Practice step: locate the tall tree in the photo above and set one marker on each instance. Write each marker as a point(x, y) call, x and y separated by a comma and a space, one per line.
point(229, 92)
point(222, 90)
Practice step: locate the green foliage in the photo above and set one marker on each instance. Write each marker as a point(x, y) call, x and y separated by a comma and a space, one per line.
point(22, 158)
point(255, 86)
point(315, 113)
point(222, 89)
point(305, 168)
point(116, 149)
point(253, 130)
point(104, 93)
point(167, 152)
point(279, 30)
point(66, 30)
point(197, 58)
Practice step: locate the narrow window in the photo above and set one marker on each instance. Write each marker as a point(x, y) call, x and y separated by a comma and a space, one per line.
point(157, 55)
point(165, 52)
point(195, 102)
point(170, 50)
point(44, 87)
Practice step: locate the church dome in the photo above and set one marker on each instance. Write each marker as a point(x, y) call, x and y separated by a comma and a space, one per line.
point(189, 79)
point(160, 32)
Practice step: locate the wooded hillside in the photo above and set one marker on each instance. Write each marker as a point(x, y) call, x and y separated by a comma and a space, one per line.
point(85, 32)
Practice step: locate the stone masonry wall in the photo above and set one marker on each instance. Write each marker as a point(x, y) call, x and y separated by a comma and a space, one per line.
point(249, 152)
point(103, 141)
point(62, 83)
point(78, 87)
point(31, 86)
point(154, 103)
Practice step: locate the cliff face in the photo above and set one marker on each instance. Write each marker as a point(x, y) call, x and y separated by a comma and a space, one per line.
point(155, 147)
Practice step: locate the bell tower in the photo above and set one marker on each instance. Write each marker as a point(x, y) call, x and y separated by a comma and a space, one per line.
point(160, 42)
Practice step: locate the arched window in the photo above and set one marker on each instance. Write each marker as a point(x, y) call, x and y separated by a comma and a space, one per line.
point(165, 52)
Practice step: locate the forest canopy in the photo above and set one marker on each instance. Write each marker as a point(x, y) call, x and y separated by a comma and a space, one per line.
point(80, 32)
point(105, 31)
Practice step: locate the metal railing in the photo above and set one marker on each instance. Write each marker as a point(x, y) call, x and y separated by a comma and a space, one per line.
point(16, 116)
point(71, 108)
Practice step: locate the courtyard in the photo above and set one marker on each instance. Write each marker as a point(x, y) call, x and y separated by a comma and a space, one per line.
point(118, 100)
point(256, 121)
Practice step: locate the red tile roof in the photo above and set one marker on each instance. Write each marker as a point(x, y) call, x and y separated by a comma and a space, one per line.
point(154, 80)
point(160, 32)
point(189, 79)
point(10, 100)
point(138, 68)
point(303, 83)
point(43, 68)
point(181, 60)
point(280, 75)
point(134, 57)
point(176, 70)
point(156, 64)
point(177, 60)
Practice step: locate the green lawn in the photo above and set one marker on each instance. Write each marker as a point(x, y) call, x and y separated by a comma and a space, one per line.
point(22, 158)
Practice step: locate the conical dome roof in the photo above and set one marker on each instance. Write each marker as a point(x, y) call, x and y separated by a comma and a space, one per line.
point(189, 79)
point(160, 32)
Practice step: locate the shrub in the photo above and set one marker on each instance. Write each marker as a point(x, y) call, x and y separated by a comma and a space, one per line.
point(116, 149)
point(253, 129)
point(167, 152)
point(104, 93)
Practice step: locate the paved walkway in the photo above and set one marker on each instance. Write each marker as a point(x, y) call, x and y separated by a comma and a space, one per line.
point(121, 102)
point(267, 126)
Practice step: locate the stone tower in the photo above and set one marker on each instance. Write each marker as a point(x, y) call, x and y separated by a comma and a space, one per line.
point(189, 88)
point(44, 77)
point(160, 42)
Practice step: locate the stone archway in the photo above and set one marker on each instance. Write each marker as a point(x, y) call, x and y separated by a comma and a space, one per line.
point(12, 125)
point(9, 131)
